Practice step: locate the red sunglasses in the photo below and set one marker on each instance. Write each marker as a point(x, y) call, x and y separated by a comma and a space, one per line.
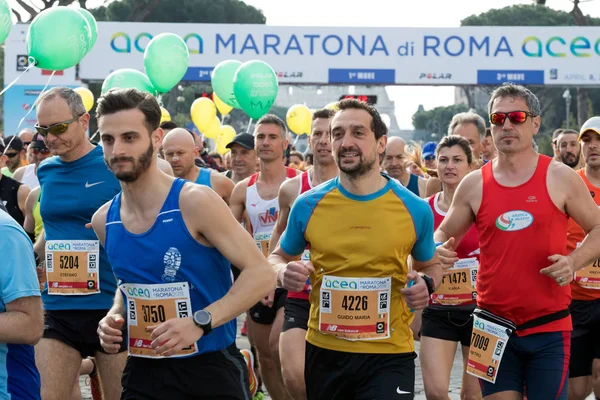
point(515, 117)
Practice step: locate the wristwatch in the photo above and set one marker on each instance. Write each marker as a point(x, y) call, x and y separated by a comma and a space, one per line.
point(203, 320)
point(429, 282)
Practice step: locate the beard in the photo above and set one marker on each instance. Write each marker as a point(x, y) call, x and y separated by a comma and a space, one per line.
point(140, 165)
point(570, 159)
point(362, 167)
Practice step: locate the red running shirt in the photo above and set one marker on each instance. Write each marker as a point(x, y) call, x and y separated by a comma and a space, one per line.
point(305, 186)
point(519, 228)
point(586, 285)
point(457, 287)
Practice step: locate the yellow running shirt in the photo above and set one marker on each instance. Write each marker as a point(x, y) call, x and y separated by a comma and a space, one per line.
point(359, 246)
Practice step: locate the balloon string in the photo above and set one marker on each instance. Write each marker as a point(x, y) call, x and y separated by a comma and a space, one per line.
point(249, 124)
point(31, 65)
point(35, 102)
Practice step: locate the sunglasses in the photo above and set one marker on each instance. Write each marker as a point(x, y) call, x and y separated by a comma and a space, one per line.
point(515, 117)
point(38, 151)
point(11, 155)
point(429, 158)
point(56, 129)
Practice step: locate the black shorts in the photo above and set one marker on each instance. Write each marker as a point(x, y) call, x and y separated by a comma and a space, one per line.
point(295, 314)
point(77, 329)
point(216, 375)
point(264, 315)
point(451, 325)
point(334, 375)
point(585, 338)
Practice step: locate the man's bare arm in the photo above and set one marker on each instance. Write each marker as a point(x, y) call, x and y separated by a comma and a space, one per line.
point(23, 321)
point(29, 224)
point(431, 268)
point(222, 185)
point(19, 173)
point(22, 196)
point(286, 197)
point(237, 201)
point(99, 222)
point(221, 229)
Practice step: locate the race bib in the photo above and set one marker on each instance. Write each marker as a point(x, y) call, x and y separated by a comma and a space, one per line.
point(262, 241)
point(72, 267)
point(458, 283)
point(589, 277)
point(151, 305)
point(355, 308)
point(488, 342)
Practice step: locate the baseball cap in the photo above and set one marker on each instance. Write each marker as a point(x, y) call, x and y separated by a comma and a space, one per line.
point(592, 124)
point(245, 140)
point(13, 142)
point(38, 143)
point(429, 149)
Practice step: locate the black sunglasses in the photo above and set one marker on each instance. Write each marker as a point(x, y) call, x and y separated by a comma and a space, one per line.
point(11, 155)
point(515, 117)
point(57, 128)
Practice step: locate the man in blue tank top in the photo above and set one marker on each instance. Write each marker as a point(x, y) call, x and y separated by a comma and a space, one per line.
point(170, 244)
point(180, 151)
point(21, 319)
point(394, 163)
point(80, 282)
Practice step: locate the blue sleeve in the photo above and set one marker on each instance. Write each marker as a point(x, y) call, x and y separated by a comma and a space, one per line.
point(424, 247)
point(293, 241)
point(18, 277)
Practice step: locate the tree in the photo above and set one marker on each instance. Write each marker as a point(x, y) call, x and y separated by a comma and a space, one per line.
point(553, 106)
point(436, 121)
point(196, 11)
point(28, 9)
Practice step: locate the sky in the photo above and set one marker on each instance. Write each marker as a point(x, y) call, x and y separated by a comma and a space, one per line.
point(377, 13)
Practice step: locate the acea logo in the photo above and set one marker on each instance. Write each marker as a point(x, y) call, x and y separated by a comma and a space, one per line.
point(121, 42)
point(556, 46)
point(514, 220)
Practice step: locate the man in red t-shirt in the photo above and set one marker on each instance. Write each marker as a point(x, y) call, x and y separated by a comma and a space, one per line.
point(521, 202)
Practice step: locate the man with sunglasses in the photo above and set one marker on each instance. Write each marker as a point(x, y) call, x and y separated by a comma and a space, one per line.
point(13, 149)
point(28, 173)
point(13, 194)
point(521, 202)
point(80, 282)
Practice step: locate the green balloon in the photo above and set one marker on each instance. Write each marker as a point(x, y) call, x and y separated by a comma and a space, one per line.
point(127, 78)
point(93, 26)
point(58, 38)
point(255, 87)
point(222, 81)
point(5, 20)
point(166, 61)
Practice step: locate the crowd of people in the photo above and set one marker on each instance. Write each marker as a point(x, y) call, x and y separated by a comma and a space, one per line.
point(131, 258)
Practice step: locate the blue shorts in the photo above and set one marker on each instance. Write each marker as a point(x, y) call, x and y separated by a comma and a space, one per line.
point(536, 365)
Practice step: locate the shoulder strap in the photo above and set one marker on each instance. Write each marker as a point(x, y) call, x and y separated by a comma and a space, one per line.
point(290, 172)
point(253, 179)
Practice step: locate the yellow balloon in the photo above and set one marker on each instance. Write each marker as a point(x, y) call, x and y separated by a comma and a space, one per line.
point(213, 130)
point(223, 108)
point(165, 115)
point(332, 106)
point(87, 96)
point(203, 113)
point(298, 119)
point(226, 135)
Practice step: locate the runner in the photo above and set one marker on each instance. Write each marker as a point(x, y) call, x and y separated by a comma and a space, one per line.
point(28, 174)
point(13, 150)
point(180, 151)
point(569, 149)
point(359, 267)
point(394, 163)
point(584, 370)
point(295, 316)
point(488, 151)
point(447, 321)
point(169, 243)
point(516, 201)
point(471, 126)
point(13, 194)
point(26, 135)
point(257, 195)
point(21, 319)
point(243, 157)
point(73, 186)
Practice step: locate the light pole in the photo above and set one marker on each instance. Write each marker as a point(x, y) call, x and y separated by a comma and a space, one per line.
point(567, 96)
